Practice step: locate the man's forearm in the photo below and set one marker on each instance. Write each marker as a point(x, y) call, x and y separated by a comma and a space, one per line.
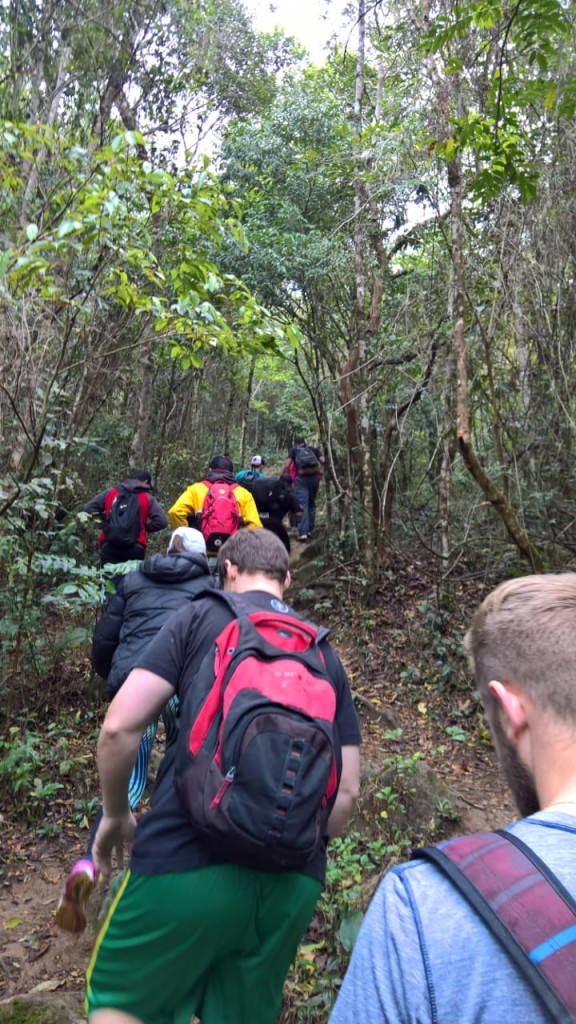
point(117, 752)
point(348, 790)
point(341, 813)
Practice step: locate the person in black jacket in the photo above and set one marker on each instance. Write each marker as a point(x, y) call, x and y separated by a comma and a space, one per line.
point(275, 498)
point(132, 616)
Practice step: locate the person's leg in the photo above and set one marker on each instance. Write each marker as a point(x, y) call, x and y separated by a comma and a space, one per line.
point(71, 910)
point(213, 566)
point(113, 1017)
point(114, 555)
point(110, 555)
point(216, 942)
point(137, 783)
point(303, 495)
point(277, 527)
point(313, 491)
point(246, 987)
point(284, 536)
point(170, 719)
point(162, 936)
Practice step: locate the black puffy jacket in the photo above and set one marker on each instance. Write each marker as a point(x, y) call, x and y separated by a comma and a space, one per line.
point(139, 608)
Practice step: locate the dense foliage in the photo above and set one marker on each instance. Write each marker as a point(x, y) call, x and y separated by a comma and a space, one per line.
point(379, 255)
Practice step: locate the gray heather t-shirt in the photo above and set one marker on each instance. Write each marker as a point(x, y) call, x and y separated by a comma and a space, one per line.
point(424, 957)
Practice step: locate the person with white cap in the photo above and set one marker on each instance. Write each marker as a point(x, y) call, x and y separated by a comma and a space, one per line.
point(247, 476)
point(132, 616)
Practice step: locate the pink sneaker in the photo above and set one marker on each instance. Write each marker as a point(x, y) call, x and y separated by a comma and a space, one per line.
point(71, 912)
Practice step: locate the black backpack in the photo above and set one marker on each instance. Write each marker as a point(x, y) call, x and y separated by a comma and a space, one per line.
point(123, 523)
point(271, 496)
point(306, 460)
point(256, 764)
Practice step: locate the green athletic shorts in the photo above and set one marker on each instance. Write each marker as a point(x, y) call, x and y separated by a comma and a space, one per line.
point(216, 942)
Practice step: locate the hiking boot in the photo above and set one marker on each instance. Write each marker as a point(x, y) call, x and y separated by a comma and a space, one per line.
point(71, 912)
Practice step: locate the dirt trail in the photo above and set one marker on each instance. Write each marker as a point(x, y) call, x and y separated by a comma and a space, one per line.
point(34, 953)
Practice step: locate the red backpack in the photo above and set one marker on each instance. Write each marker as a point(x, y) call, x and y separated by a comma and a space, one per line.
point(220, 516)
point(256, 764)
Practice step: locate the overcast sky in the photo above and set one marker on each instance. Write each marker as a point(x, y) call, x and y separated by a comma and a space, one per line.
point(313, 22)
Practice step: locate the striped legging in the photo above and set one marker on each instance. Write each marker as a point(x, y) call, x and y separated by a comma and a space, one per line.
point(139, 775)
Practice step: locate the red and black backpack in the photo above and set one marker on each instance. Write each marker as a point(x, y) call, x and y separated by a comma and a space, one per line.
point(125, 516)
point(256, 766)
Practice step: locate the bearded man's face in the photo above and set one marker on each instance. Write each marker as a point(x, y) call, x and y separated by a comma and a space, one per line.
point(520, 780)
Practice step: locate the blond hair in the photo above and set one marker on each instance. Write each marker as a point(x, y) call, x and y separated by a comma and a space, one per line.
point(524, 633)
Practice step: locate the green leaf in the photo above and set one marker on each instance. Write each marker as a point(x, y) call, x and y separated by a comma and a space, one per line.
point(5, 258)
point(134, 138)
point(32, 232)
point(12, 922)
point(68, 226)
point(349, 928)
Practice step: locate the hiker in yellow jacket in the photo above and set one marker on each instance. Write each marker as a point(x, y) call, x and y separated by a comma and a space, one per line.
point(191, 502)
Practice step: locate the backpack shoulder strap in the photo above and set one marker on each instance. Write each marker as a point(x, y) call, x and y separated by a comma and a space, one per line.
point(525, 907)
point(240, 604)
point(110, 498)
point(144, 502)
point(221, 596)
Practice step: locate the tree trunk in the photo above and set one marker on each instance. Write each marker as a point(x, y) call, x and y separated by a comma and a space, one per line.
point(448, 452)
point(229, 416)
point(495, 496)
point(31, 170)
point(139, 446)
point(369, 528)
point(246, 410)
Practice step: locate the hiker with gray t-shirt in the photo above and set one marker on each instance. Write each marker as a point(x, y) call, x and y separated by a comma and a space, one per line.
point(483, 929)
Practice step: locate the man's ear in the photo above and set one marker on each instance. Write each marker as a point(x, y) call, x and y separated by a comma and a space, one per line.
point(230, 570)
point(288, 580)
point(510, 708)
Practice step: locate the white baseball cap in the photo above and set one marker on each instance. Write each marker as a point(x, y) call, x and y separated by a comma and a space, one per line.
point(257, 460)
point(192, 540)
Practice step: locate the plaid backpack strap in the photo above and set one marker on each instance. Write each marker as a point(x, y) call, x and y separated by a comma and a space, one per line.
point(525, 907)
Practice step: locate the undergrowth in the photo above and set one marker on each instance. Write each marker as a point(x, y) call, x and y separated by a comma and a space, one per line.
point(47, 770)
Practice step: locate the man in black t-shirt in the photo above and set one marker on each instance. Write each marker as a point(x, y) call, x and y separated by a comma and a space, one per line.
point(190, 931)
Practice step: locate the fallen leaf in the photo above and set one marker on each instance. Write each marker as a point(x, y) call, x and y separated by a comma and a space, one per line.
point(12, 922)
point(49, 986)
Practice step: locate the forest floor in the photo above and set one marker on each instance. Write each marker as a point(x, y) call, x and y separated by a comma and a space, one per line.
point(409, 681)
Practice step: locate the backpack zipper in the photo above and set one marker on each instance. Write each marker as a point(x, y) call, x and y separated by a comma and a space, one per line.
point(228, 780)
